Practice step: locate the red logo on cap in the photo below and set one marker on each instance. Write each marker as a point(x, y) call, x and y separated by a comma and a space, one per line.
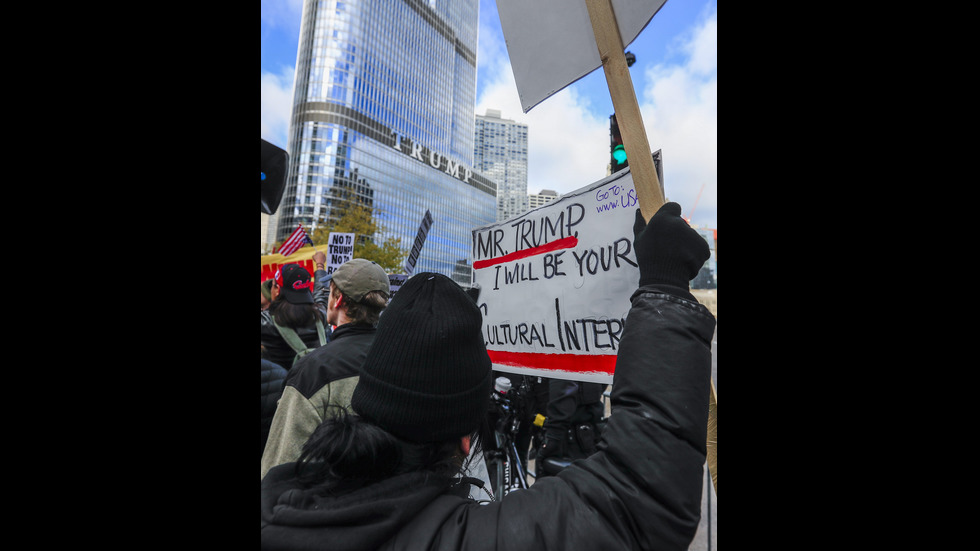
point(298, 285)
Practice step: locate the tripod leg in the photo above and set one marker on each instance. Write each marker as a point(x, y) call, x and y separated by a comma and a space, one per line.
point(518, 468)
point(501, 482)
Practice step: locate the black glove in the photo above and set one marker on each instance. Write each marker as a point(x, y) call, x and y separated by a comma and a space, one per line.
point(553, 446)
point(668, 250)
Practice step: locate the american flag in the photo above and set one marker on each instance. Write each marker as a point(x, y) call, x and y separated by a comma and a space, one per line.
point(295, 241)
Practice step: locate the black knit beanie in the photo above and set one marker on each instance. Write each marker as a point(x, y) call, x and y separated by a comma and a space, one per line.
point(427, 376)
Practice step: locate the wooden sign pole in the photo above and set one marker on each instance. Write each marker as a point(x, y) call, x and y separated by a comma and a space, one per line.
point(649, 192)
point(713, 437)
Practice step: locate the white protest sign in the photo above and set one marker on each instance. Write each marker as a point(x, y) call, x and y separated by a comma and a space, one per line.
point(395, 282)
point(555, 283)
point(551, 43)
point(340, 249)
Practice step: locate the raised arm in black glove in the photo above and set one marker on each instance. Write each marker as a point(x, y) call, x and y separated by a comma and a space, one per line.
point(668, 250)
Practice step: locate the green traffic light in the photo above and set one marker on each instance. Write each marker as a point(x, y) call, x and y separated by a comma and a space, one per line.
point(619, 153)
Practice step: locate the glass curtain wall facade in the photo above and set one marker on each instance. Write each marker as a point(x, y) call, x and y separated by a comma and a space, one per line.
point(383, 116)
point(501, 154)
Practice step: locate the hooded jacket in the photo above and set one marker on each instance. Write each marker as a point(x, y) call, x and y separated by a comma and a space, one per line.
point(641, 490)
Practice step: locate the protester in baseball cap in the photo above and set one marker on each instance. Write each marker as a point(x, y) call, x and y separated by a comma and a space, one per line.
point(293, 314)
point(352, 283)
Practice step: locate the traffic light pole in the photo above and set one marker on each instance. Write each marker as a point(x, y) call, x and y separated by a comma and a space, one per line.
point(649, 192)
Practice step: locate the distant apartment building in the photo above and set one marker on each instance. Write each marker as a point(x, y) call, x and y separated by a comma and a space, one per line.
point(535, 200)
point(500, 154)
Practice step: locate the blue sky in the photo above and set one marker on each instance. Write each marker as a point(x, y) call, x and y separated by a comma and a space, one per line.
point(675, 79)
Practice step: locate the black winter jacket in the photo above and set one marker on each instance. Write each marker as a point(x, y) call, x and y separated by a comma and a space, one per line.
point(641, 490)
point(323, 378)
point(273, 377)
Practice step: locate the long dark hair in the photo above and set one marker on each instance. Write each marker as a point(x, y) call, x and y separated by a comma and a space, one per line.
point(295, 316)
point(348, 451)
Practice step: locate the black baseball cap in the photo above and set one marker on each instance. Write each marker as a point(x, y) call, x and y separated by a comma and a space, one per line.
point(295, 283)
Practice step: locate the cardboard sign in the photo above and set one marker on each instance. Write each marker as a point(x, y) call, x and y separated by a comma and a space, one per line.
point(555, 283)
point(340, 249)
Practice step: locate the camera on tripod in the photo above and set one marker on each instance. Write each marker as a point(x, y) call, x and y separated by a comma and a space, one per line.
point(506, 470)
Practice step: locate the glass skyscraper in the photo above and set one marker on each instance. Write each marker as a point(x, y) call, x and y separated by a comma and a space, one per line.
point(383, 116)
point(501, 154)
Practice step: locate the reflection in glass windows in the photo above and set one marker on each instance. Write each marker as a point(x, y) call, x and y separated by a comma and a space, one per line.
point(383, 116)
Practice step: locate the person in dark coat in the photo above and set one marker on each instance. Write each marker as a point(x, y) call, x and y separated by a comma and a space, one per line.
point(572, 419)
point(388, 477)
point(266, 293)
point(273, 377)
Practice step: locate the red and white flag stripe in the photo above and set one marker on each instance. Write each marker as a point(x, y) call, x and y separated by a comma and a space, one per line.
point(294, 242)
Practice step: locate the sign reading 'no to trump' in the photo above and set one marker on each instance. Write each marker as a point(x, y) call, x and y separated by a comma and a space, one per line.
point(556, 282)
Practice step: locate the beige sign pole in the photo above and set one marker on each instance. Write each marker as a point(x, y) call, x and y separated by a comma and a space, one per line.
point(713, 437)
point(649, 192)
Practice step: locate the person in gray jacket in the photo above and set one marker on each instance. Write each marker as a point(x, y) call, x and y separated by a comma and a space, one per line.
point(387, 476)
point(358, 293)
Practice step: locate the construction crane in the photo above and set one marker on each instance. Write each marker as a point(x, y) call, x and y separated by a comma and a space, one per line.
point(690, 214)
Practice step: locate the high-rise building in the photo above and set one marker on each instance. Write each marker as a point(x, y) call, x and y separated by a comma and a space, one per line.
point(535, 200)
point(382, 116)
point(500, 153)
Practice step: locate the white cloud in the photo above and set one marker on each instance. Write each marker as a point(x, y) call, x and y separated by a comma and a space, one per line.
point(491, 57)
point(277, 101)
point(284, 14)
point(562, 133)
point(680, 112)
point(277, 88)
point(565, 144)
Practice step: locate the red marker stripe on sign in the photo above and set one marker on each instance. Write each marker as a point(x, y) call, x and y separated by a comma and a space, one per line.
point(564, 243)
point(576, 363)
